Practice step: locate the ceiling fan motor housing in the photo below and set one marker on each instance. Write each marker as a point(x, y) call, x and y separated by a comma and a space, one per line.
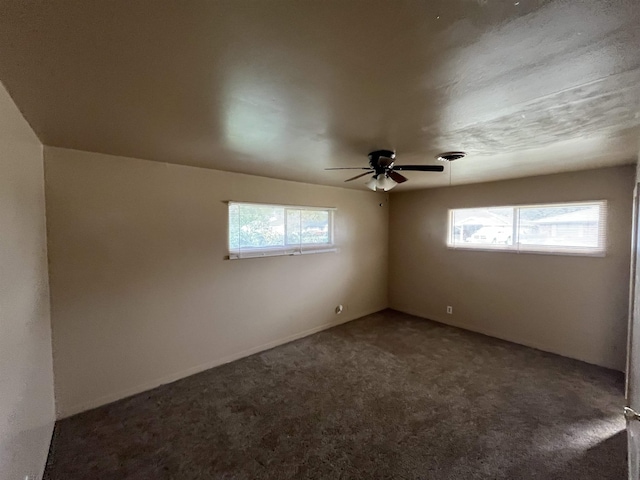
point(376, 164)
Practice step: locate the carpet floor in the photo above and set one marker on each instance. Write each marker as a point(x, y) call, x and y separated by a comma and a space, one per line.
point(387, 396)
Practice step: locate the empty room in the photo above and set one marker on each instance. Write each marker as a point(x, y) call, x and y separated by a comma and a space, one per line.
point(289, 239)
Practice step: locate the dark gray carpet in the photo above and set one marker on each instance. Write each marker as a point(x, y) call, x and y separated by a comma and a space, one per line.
point(386, 396)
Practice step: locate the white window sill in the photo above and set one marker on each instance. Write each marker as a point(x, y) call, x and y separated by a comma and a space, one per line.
point(276, 252)
point(536, 251)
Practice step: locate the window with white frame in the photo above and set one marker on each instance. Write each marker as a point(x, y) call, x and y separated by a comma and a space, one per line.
point(259, 230)
point(577, 228)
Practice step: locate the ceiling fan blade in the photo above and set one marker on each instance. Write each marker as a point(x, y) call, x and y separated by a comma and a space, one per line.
point(397, 177)
point(420, 168)
point(349, 168)
point(358, 176)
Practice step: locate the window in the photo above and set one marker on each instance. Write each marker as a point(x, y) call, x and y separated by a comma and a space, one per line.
point(567, 228)
point(257, 230)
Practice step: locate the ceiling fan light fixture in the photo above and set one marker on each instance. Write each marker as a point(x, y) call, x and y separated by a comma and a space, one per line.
point(385, 183)
point(372, 183)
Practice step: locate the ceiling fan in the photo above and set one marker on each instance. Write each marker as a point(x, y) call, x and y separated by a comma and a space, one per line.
point(385, 176)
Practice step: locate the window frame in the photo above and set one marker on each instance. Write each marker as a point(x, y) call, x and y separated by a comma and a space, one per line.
point(286, 249)
point(517, 247)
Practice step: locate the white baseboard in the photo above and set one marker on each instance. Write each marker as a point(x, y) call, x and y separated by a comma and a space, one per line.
point(97, 402)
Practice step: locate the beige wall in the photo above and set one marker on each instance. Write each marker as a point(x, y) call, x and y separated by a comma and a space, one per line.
point(26, 376)
point(141, 292)
point(573, 306)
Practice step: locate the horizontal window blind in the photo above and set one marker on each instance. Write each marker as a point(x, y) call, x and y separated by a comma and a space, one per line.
point(577, 228)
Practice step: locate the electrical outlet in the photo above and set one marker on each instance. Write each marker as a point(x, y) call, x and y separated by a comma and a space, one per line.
point(449, 309)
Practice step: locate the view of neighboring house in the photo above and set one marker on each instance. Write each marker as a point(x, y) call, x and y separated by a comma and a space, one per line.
point(579, 227)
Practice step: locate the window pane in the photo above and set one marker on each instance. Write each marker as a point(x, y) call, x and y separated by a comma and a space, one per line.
point(565, 226)
point(260, 226)
point(234, 227)
point(482, 227)
point(293, 227)
point(257, 230)
point(314, 227)
point(570, 228)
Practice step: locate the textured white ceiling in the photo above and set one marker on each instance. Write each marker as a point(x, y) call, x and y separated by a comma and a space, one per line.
point(285, 89)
